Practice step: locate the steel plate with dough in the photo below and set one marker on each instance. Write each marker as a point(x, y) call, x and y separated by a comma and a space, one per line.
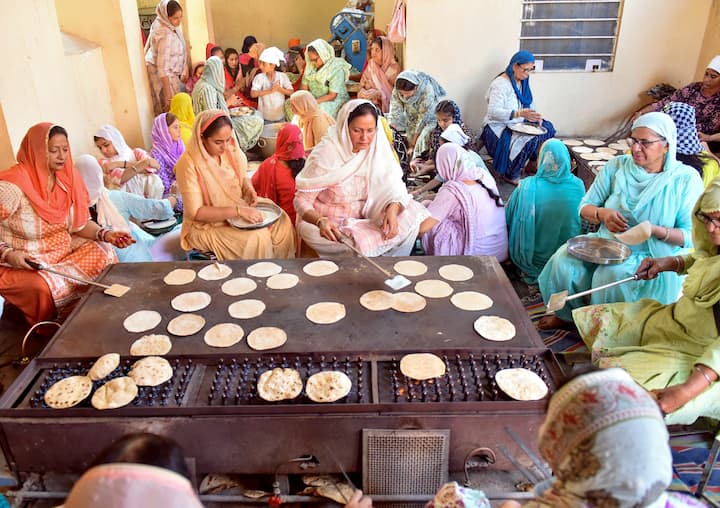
point(241, 111)
point(158, 227)
point(601, 251)
point(527, 128)
point(270, 212)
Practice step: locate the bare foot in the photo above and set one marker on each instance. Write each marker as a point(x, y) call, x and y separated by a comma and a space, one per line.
point(553, 323)
point(513, 182)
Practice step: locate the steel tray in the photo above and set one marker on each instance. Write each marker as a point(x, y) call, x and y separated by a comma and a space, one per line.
point(271, 213)
point(601, 251)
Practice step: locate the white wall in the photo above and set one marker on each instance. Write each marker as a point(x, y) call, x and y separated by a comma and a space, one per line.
point(466, 43)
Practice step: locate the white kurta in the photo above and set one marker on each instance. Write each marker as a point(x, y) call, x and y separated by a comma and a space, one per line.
point(502, 101)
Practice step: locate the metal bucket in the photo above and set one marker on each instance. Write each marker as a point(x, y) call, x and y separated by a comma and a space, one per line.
point(268, 138)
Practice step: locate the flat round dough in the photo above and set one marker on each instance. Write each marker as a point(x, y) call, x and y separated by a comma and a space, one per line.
point(406, 301)
point(434, 288)
point(377, 300)
point(190, 302)
point(320, 268)
point(593, 142)
point(103, 366)
point(215, 271)
point(619, 145)
point(521, 384)
point(224, 335)
point(456, 273)
point(263, 269)
point(328, 386)
point(607, 149)
point(151, 345)
point(410, 268)
point(597, 163)
point(151, 371)
point(592, 156)
point(325, 313)
point(607, 156)
point(636, 234)
point(238, 286)
point(582, 149)
point(422, 366)
point(572, 142)
point(495, 328)
point(283, 281)
point(142, 321)
point(68, 392)
point(279, 384)
point(471, 300)
point(179, 276)
point(266, 337)
point(116, 393)
point(246, 309)
point(186, 324)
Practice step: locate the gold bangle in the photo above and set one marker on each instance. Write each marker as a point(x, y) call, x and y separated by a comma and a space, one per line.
point(704, 374)
point(667, 234)
point(237, 210)
point(320, 219)
point(597, 214)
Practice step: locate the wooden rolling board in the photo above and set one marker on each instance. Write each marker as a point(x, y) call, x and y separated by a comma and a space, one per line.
point(95, 326)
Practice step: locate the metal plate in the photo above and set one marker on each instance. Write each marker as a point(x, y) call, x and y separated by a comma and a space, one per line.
point(241, 111)
point(522, 126)
point(158, 227)
point(271, 213)
point(601, 251)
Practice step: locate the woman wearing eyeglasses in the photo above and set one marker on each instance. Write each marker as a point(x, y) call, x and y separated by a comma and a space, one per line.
point(649, 184)
point(510, 101)
point(672, 350)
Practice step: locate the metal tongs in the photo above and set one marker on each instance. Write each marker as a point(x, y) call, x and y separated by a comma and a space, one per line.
point(396, 282)
point(530, 476)
point(558, 300)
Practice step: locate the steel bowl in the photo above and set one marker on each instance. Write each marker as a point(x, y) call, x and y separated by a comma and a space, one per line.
point(601, 251)
point(271, 213)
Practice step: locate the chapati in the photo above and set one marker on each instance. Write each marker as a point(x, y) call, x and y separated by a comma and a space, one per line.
point(190, 302)
point(410, 268)
point(238, 286)
point(521, 384)
point(406, 301)
point(620, 145)
point(263, 269)
point(607, 156)
point(597, 163)
point(528, 129)
point(246, 309)
point(377, 300)
point(151, 371)
point(636, 234)
point(606, 149)
point(455, 273)
point(582, 149)
point(320, 268)
point(283, 281)
point(68, 392)
point(151, 345)
point(179, 276)
point(592, 156)
point(186, 324)
point(422, 366)
point(325, 313)
point(266, 337)
point(572, 142)
point(471, 300)
point(142, 321)
point(103, 366)
point(434, 288)
point(594, 142)
point(116, 393)
point(279, 384)
point(495, 328)
point(340, 492)
point(328, 386)
point(224, 335)
point(215, 271)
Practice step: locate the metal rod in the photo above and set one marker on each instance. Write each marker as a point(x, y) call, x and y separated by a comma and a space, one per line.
point(565, 37)
point(600, 288)
point(529, 476)
point(534, 458)
point(542, 20)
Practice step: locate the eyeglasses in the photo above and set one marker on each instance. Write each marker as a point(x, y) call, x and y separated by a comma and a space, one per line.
point(707, 219)
point(527, 69)
point(644, 143)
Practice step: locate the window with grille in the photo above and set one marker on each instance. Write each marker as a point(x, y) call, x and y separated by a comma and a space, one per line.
point(571, 35)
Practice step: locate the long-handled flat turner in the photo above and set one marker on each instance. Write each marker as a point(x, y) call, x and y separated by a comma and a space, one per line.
point(116, 290)
point(558, 300)
point(396, 282)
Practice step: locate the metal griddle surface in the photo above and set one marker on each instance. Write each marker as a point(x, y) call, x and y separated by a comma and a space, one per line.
point(95, 326)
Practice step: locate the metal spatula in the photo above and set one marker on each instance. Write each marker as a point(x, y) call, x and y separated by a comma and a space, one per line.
point(116, 290)
point(558, 300)
point(396, 282)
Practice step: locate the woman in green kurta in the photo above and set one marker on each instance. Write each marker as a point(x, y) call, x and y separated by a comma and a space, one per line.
point(673, 350)
point(325, 76)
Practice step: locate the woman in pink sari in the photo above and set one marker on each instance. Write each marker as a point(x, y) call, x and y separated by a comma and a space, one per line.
point(378, 79)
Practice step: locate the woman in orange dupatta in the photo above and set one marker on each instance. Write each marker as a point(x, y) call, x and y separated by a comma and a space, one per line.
point(211, 175)
point(44, 217)
point(378, 79)
point(313, 121)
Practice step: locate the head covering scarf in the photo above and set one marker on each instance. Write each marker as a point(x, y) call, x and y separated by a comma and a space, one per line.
point(606, 442)
point(714, 63)
point(236, 71)
point(164, 149)
point(67, 199)
point(688, 142)
point(289, 145)
point(124, 152)
point(454, 134)
point(293, 42)
point(272, 55)
point(331, 63)
point(209, 48)
point(122, 485)
point(192, 79)
point(162, 20)
point(421, 81)
point(437, 132)
point(332, 161)
point(524, 94)
point(92, 174)
point(256, 50)
point(377, 73)
point(709, 202)
point(214, 74)
point(181, 107)
point(309, 112)
point(248, 42)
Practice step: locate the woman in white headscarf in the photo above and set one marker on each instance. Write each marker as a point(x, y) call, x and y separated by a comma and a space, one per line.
point(166, 55)
point(351, 189)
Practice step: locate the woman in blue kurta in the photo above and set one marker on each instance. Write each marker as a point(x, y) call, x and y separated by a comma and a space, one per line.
point(542, 213)
point(649, 184)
